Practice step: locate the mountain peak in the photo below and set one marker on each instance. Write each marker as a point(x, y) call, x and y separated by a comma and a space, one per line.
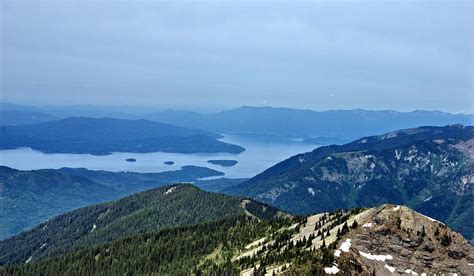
point(397, 239)
point(381, 240)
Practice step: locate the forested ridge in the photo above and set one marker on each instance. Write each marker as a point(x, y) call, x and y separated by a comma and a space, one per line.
point(164, 207)
point(31, 197)
point(176, 251)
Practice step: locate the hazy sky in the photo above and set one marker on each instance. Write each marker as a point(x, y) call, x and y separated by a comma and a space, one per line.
point(401, 55)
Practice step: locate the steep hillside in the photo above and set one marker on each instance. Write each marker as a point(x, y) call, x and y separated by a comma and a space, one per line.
point(376, 241)
point(28, 198)
point(105, 135)
point(332, 126)
point(382, 240)
point(429, 169)
point(24, 117)
point(164, 207)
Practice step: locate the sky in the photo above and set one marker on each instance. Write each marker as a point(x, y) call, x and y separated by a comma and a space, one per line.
point(401, 55)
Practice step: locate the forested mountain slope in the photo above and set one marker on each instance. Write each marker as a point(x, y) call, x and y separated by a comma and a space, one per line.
point(28, 198)
point(382, 240)
point(430, 169)
point(164, 207)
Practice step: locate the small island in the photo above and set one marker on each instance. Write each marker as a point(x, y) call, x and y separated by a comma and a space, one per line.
point(168, 163)
point(223, 163)
point(131, 160)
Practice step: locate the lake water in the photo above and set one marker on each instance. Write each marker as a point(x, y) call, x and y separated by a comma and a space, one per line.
point(257, 157)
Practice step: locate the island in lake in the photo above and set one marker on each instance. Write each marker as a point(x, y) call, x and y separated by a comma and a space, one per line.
point(131, 160)
point(168, 163)
point(223, 163)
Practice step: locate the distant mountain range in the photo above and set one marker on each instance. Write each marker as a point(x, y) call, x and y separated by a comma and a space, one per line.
point(102, 136)
point(329, 126)
point(430, 169)
point(181, 230)
point(28, 198)
point(24, 118)
point(271, 124)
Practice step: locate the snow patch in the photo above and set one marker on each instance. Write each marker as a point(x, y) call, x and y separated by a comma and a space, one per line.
point(396, 208)
point(29, 259)
point(301, 159)
point(345, 246)
point(432, 219)
point(368, 225)
point(390, 268)
point(409, 271)
point(93, 228)
point(44, 244)
point(380, 258)
point(372, 166)
point(427, 199)
point(331, 270)
point(170, 190)
point(311, 191)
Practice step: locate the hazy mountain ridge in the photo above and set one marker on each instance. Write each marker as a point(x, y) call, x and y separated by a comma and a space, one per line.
point(28, 198)
point(287, 123)
point(429, 169)
point(271, 123)
point(24, 117)
point(105, 135)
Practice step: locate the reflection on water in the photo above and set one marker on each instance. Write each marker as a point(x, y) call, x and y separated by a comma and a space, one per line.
point(257, 157)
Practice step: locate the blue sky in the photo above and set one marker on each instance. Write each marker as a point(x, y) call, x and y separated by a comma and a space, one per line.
point(401, 55)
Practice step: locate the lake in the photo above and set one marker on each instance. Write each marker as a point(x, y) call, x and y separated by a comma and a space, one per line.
point(257, 157)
